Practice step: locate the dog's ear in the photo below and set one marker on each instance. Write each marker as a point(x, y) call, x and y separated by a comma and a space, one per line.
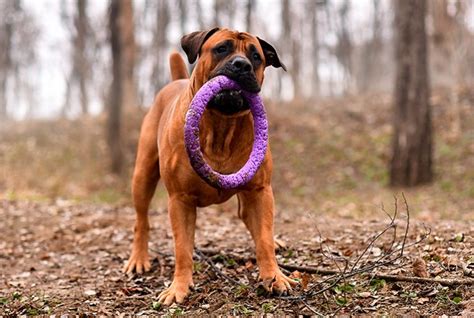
point(271, 56)
point(192, 43)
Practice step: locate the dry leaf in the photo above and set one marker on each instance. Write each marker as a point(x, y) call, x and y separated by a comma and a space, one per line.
point(423, 300)
point(279, 244)
point(419, 268)
point(295, 274)
point(305, 280)
point(248, 265)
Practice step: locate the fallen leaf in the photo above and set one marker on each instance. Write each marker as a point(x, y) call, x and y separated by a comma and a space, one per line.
point(249, 265)
point(419, 268)
point(305, 280)
point(296, 274)
point(422, 300)
point(279, 244)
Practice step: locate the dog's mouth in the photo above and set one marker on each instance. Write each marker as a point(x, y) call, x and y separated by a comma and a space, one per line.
point(229, 102)
point(247, 81)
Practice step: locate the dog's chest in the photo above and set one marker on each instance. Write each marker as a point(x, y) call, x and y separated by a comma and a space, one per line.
point(226, 143)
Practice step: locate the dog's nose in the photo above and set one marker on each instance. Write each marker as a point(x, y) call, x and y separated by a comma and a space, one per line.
point(241, 65)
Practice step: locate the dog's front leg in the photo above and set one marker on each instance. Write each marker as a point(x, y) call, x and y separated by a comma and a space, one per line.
point(257, 209)
point(182, 213)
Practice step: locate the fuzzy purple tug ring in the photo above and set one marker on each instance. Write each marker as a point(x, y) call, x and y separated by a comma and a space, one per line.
point(191, 135)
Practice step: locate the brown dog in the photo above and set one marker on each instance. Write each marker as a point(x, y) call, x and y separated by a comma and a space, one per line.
point(226, 135)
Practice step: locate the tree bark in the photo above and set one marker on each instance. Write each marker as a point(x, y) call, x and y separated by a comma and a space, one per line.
point(290, 46)
point(344, 47)
point(81, 62)
point(6, 38)
point(218, 6)
point(249, 7)
point(411, 162)
point(116, 94)
point(183, 15)
point(372, 51)
point(127, 38)
point(313, 17)
point(160, 44)
point(200, 17)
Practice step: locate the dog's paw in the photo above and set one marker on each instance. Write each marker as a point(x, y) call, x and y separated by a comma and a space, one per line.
point(138, 262)
point(175, 293)
point(278, 283)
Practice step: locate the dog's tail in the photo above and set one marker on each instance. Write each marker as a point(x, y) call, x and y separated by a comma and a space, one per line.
point(177, 67)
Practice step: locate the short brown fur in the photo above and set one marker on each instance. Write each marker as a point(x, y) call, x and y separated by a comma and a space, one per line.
point(226, 143)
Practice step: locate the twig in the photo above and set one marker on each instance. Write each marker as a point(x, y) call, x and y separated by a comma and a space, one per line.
point(441, 281)
point(311, 308)
point(324, 271)
point(214, 268)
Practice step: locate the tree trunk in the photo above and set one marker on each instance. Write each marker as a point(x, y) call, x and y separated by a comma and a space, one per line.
point(313, 16)
point(344, 47)
point(411, 162)
point(199, 13)
point(81, 63)
point(218, 5)
point(289, 44)
point(249, 7)
point(183, 15)
point(160, 45)
point(6, 38)
point(372, 51)
point(127, 37)
point(116, 94)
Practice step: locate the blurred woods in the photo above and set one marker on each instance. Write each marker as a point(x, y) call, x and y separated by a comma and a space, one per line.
point(113, 58)
point(330, 48)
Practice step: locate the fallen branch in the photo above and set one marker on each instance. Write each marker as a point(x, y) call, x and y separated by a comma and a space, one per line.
point(441, 281)
point(324, 271)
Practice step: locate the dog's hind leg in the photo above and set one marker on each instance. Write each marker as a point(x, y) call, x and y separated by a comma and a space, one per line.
point(145, 179)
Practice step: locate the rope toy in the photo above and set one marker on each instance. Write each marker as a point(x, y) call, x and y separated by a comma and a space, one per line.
point(191, 135)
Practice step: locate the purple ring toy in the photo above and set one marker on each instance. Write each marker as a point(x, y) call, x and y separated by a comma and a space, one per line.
point(191, 135)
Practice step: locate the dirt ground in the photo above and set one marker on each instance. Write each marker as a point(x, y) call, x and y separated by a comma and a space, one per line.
point(62, 257)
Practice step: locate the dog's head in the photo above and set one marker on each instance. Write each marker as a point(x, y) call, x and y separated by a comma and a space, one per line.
point(240, 56)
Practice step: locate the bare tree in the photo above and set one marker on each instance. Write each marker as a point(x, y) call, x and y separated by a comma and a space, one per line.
point(344, 45)
point(6, 64)
point(81, 61)
point(411, 162)
point(183, 15)
point(231, 9)
point(129, 54)
point(200, 17)
point(18, 37)
point(372, 50)
point(312, 9)
point(123, 49)
point(249, 7)
point(290, 46)
point(218, 8)
point(160, 44)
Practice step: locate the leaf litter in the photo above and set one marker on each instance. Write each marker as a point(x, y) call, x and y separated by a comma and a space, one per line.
point(58, 260)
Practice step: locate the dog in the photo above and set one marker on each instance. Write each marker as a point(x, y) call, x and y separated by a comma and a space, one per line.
point(226, 136)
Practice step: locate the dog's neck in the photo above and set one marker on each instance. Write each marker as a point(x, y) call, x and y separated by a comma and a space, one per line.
point(226, 141)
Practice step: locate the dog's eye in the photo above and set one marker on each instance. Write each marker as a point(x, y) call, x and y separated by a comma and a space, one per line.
point(256, 57)
point(221, 49)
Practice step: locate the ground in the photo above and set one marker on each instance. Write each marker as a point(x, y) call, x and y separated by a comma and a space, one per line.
point(67, 258)
point(67, 223)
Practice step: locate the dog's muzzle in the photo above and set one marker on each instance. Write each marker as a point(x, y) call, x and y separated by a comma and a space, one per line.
point(240, 70)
